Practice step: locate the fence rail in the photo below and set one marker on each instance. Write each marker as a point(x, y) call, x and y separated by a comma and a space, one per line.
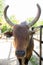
point(40, 41)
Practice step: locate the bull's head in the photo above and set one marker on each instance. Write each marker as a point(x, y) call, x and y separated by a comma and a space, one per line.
point(22, 34)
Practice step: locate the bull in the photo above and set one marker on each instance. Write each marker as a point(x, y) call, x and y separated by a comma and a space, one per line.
point(23, 37)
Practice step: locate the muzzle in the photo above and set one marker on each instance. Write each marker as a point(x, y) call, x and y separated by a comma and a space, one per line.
point(20, 53)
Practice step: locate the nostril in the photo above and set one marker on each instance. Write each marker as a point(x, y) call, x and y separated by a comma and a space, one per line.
point(20, 53)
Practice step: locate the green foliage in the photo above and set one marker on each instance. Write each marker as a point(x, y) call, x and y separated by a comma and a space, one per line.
point(1, 20)
point(38, 23)
point(30, 20)
point(9, 29)
point(1, 7)
point(14, 20)
point(4, 28)
point(34, 60)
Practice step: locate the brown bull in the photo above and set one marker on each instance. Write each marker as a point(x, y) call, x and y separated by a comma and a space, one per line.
point(23, 41)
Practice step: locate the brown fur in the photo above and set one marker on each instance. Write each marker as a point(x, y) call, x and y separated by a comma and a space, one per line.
point(23, 40)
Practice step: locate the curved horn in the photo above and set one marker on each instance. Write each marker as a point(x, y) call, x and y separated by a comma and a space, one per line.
point(6, 18)
point(37, 17)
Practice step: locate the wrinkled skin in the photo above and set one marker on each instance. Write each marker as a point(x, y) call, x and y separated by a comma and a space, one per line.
point(23, 41)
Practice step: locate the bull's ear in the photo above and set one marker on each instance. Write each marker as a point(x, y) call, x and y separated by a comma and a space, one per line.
point(31, 32)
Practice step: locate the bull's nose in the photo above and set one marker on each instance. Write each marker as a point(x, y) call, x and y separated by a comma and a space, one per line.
point(20, 53)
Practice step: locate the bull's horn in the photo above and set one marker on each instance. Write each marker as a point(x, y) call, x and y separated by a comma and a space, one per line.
point(37, 17)
point(6, 17)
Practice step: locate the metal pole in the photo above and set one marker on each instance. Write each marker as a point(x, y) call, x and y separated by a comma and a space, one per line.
point(40, 45)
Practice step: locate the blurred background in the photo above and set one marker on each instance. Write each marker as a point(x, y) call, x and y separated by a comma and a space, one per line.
point(19, 11)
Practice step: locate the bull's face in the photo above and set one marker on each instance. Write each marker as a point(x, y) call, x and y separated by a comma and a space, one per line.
point(21, 40)
point(22, 34)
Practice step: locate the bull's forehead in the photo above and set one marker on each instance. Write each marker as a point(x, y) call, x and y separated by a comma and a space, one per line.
point(20, 30)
